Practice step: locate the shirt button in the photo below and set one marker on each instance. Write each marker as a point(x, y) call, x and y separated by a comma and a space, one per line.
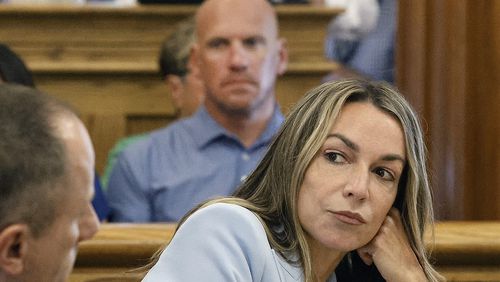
point(245, 156)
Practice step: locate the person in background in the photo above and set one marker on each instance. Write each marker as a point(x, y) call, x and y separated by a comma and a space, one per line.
point(362, 39)
point(342, 194)
point(238, 55)
point(99, 201)
point(14, 70)
point(184, 84)
point(46, 186)
point(185, 87)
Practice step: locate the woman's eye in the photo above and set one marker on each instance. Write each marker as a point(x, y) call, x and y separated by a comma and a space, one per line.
point(335, 157)
point(384, 174)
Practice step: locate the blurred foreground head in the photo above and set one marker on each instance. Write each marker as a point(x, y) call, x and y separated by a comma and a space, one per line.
point(46, 186)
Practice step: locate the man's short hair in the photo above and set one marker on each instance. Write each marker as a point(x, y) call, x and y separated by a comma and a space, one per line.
point(32, 157)
point(175, 50)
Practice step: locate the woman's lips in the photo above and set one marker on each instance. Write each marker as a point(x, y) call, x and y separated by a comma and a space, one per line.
point(349, 217)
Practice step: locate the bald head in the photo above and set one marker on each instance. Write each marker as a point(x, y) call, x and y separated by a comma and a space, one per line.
point(238, 55)
point(235, 12)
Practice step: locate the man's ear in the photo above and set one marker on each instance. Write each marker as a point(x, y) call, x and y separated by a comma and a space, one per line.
point(194, 60)
point(13, 248)
point(283, 56)
point(176, 89)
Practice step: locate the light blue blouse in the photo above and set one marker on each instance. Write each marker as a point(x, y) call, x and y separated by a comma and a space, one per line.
point(223, 242)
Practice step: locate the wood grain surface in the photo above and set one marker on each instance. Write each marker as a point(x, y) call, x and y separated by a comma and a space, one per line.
point(462, 251)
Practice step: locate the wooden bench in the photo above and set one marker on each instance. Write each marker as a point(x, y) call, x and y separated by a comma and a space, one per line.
point(463, 251)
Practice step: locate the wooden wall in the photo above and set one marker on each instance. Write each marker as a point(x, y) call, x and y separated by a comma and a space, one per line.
point(449, 67)
point(102, 60)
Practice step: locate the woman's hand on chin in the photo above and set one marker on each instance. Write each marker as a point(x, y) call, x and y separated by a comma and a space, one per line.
point(391, 252)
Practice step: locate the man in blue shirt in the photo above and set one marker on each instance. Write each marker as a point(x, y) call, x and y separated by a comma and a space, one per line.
point(185, 87)
point(238, 55)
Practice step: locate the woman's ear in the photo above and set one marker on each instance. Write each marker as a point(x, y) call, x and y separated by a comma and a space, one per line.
point(13, 248)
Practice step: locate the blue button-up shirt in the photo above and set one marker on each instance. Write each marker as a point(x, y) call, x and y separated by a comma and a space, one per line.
point(163, 176)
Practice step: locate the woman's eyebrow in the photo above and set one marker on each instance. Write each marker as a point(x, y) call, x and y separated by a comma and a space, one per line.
point(394, 157)
point(355, 148)
point(346, 141)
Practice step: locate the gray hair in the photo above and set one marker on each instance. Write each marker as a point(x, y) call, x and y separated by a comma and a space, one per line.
point(175, 50)
point(32, 157)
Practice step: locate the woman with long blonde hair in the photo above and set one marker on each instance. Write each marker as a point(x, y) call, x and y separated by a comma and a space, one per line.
point(341, 195)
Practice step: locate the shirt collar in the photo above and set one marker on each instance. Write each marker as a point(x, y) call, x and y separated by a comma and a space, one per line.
point(205, 129)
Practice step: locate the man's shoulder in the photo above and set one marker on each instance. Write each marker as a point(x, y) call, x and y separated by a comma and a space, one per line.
point(126, 142)
point(178, 126)
point(162, 138)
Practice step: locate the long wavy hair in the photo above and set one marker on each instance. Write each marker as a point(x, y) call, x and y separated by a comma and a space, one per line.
point(271, 191)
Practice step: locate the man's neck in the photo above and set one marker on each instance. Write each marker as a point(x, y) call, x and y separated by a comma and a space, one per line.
point(248, 127)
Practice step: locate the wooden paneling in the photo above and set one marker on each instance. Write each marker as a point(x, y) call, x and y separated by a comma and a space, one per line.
point(448, 61)
point(107, 100)
point(132, 102)
point(56, 35)
point(463, 251)
point(102, 60)
point(482, 179)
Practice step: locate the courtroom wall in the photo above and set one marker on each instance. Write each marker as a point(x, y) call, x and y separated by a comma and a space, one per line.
point(448, 61)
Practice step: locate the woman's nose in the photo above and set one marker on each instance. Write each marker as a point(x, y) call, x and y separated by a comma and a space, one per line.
point(357, 185)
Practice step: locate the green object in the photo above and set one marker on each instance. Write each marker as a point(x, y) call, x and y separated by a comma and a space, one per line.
point(115, 152)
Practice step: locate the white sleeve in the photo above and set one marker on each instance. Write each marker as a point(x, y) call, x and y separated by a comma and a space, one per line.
point(221, 242)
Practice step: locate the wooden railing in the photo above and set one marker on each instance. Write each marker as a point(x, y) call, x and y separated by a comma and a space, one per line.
point(463, 251)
